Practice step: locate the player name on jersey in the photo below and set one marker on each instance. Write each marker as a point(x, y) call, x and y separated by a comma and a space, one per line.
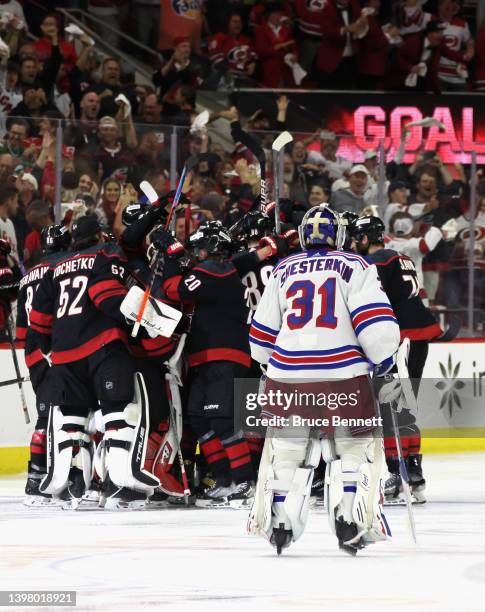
point(36, 274)
point(74, 265)
point(318, 265)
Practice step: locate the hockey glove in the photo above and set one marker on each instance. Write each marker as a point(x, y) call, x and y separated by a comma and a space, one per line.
point(277, 244)
point(164, 241)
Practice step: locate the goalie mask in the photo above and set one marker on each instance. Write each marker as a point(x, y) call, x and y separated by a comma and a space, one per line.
point(212, 237)
point(322, 227)
point(55, 238)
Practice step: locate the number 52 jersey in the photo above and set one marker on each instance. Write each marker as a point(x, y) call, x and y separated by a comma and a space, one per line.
point(77, 304)
point(323, 315)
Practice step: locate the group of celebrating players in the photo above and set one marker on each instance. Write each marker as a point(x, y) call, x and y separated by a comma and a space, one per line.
point(133, 347)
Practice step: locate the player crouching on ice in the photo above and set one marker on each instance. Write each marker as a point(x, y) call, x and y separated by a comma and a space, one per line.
point(323, 316)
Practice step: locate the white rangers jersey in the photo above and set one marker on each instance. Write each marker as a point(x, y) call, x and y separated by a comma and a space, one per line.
point(323, 315)
point(416, 248)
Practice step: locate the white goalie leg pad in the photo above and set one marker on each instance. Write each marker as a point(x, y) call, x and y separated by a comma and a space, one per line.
point(284, 483)
point(158, 318)
point(65, 450)
point(126, 446)
point(354, 486)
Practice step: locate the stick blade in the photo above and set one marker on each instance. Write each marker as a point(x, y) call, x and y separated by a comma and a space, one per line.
point(149, 191)
point(282, 140)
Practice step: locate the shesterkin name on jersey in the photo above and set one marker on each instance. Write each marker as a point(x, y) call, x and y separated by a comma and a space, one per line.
point(74, 265)
point(36, 274)
point(306, 263)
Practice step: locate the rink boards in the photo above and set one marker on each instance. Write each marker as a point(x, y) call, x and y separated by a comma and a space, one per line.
point(458, 367)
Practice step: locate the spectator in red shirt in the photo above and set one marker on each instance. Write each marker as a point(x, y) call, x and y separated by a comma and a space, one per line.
point(232, 53)
point(43, 47)
point(373, 51)
point(342, 24)
point(417, 60)
point(37, 216)
point(274, 43)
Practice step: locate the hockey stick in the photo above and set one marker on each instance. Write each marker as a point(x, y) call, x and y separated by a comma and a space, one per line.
point(17, 370)
point(152, 196)
point(401, 360)
point(190, 163)
point(257, 150)
point(451, 332)
point(14, 381)
point(173, 375)
point(279, 143)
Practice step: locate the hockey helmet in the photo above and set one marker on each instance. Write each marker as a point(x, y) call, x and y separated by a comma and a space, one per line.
point(372, 227)
point(401, 224)
point(55, 238)
point(322, 227)
point(133, 212)
point(253, 226)
point(211, 236)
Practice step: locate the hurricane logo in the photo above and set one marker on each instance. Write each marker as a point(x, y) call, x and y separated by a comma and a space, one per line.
point(238, 55)
point(189, 9)
point(315, 5)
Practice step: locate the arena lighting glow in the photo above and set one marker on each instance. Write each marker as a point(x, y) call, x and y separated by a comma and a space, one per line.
point(373, 124)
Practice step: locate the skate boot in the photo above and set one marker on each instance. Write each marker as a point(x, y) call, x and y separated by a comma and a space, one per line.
point(281, 538)
point(72, 496)
point(416, 479)
point(318, 487)
point(348, 536)
point(216, 495)
point(242, 497)
point(92, 494)
point(121, 498)
point(393, 490)
point(33, 496)
point(159, 499)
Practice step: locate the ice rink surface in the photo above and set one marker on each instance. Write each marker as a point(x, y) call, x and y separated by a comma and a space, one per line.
point(192, 559)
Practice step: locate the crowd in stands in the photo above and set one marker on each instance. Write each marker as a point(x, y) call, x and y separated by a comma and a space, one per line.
point(113, 135)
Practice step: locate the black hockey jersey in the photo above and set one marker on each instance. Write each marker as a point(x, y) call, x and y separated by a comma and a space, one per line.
point(28, 287)
point(219, 330)
point(78, 302)
point(255, 275)
point(400, 282)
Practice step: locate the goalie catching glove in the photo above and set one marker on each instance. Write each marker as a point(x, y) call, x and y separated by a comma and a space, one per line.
point(159, 319)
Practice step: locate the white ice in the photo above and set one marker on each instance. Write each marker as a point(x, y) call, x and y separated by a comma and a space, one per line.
point(192, 559)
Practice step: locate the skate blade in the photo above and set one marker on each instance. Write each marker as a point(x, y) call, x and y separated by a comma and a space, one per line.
point(91, 496)
point(157, 505)
point(180, 501)
point(37, 501)
point(241, 504)
point(71, 504)
point(119, 504)
point(212, 503)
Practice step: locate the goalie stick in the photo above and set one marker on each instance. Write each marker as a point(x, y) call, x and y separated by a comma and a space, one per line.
point(451, 332)
point(278, 145)
point(257, 150)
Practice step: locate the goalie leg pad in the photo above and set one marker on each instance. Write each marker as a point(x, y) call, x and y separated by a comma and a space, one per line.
point(126, 446)
point(284, 485)
point(355, 485)
point(68, 446)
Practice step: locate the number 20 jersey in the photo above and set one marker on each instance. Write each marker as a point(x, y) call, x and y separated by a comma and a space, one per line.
point(77, 304)
point(323, 315)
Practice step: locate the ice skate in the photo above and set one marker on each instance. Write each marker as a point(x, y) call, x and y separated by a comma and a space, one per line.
point(33, 496)
point(159, 499)
point(281, 538)
point(416, 479)
point(349, 539)
point(242, 497)
point(216, 495)
point(393, 491)
point(121, 498)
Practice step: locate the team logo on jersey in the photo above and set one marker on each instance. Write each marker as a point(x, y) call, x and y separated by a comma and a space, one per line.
point(238, 55)
point(190, 9)
point(315, 5)
point(450, 386)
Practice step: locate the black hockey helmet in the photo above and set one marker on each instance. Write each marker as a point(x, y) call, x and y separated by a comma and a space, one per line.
point(348, 218)
point(133, 212)
point(253, 226)
point(211, 236)
point(372, 227)
point(55, 238)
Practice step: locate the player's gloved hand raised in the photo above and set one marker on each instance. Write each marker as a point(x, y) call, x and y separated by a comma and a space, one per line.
point(165, 242)
point(278, 246)
point(291, 237)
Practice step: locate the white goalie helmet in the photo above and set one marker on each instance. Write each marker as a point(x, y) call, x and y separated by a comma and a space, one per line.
point(322, 227)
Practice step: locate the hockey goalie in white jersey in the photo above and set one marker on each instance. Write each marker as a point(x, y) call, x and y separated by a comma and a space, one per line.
point(323, 316)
